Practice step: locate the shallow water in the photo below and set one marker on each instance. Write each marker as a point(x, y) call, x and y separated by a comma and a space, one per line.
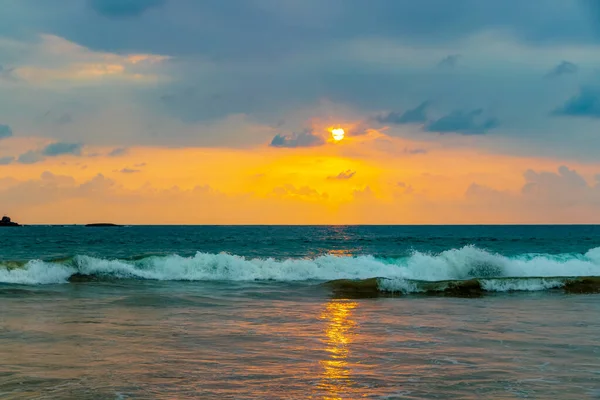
point(247, 341)
point(146, 322)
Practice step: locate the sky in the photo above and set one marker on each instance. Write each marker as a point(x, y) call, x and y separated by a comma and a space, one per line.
point(221, 112)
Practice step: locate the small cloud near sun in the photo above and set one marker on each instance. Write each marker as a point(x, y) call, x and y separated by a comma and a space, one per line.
point(345, 175)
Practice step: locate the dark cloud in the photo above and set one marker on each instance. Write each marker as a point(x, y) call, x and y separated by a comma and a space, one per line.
point(272, 28)
point(119, 151)
point(6, 160)
point(51, 150)
point(584, 104)
point(266, 59)
point(463, 122)
point(31, 157)
point(5, 131)
point(414, 116)
point(123, 8)
point(129, 171)
point(303, 139)
point(450, 61)
point(564, 68)
point(60, 148)
point(345, 175)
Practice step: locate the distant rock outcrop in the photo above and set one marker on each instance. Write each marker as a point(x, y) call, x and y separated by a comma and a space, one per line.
point(102, 224)
point(5, 221)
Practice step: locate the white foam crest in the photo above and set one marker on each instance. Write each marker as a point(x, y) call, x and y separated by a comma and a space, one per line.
point(464, 263)
point(520, 285)
point(552, 266)
point(397, 285)
point(456, 264)
point(225, 267)
point(36, 272)
point(471, 262)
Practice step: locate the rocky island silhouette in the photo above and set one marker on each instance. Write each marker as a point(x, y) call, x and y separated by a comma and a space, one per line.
point(5, 221)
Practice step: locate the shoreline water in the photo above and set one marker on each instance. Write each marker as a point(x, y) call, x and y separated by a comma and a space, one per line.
point(246, 340)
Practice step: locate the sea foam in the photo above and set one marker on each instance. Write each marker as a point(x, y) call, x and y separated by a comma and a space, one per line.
point(456, 264)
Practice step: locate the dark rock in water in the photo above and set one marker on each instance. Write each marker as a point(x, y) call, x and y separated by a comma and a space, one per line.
point(470, 288)
point(102, 224)
point(355, 289)
point(80, 278)
point(369, 288)
point(5, 221)
point(585, 285)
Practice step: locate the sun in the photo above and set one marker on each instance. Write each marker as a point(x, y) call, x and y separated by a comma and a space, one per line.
point(337, 134)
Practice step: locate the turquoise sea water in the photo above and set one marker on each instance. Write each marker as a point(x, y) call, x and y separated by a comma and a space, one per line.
point(147, 312)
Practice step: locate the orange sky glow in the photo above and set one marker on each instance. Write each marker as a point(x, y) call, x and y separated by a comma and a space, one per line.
point(362, 179)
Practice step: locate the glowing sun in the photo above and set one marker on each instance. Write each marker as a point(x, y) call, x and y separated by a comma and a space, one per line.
point(337, 134)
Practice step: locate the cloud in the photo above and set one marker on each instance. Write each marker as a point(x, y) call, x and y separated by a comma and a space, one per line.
point(64, 119)
point(414, 151)
point(58, 180)
point(117, 152)
point(6, 160)
point(450, 61)
point(302, 139)
point(291, 191)
point(297, 55)
point(6, 74)
point(129, 171)
point(123, 8)
point(50, 199)
point(416, 115)
point(51, 150)
point(463, 122)
point(554, 186)
point(345, 175)
point(365, 194)
point(52, 59)
point(584, 104)
point(31, 157)
point(5, 131)
point(407, 189)
point(60, 148)
point(543, 196)
point(564, 68)
point(269, 27)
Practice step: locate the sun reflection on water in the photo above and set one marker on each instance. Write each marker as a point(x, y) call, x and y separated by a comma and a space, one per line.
point(340, 252)
point(337, 379)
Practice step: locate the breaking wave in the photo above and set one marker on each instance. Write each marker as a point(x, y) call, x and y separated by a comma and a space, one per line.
point(493, 272)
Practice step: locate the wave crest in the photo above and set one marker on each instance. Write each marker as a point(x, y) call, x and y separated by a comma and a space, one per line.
point(465, 263)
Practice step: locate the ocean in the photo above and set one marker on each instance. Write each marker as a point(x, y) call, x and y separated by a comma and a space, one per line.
point(300, 312)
